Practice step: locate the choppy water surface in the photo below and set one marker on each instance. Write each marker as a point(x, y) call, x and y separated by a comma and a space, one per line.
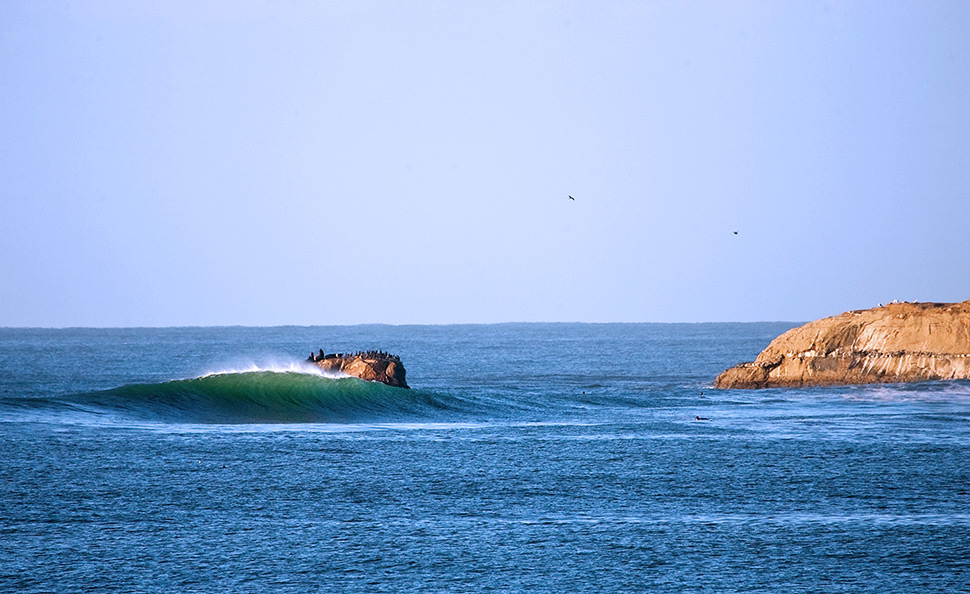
point(539, 458)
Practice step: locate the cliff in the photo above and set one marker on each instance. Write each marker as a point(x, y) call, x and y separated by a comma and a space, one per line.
point(898, 342)
point(375, 366)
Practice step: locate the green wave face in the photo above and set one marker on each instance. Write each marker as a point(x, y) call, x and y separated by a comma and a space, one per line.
point(268, 397)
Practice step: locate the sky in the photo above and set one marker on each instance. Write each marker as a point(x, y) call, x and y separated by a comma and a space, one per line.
point(171, 163)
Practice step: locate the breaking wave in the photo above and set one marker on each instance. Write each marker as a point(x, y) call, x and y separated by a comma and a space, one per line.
point(284, 395)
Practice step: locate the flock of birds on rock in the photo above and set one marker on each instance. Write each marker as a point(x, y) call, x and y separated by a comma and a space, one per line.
point(363, 354)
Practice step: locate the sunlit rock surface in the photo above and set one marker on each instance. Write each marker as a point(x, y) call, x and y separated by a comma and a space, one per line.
point(898, 342)
point(375, 366)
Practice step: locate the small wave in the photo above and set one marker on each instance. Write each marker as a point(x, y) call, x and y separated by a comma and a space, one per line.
point(927, 391)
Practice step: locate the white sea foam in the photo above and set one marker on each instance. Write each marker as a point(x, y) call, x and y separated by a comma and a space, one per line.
point(301, 367)
point(956, 391)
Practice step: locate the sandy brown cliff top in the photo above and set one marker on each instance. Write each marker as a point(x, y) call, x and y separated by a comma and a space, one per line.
point(898, 342)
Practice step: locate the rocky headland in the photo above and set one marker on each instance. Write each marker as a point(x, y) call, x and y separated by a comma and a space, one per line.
point(897, 342)
point(375, 366)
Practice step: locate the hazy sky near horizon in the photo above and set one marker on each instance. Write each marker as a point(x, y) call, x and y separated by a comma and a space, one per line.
point(262, 163)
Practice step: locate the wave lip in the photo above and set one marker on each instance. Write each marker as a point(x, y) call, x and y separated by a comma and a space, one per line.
point(282, 395)
point(292, 367)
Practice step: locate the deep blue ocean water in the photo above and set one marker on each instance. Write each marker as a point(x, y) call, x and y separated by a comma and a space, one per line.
point(527, 458)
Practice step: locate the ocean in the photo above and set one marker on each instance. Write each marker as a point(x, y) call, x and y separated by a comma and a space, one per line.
point(526, 458)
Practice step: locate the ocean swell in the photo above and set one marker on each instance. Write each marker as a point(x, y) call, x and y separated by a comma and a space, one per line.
point(261, 396)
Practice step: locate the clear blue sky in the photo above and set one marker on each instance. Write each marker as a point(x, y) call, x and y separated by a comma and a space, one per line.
point(287, 162)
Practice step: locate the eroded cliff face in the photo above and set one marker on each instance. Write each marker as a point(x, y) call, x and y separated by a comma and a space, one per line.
point(383, 368)
point(899, 342)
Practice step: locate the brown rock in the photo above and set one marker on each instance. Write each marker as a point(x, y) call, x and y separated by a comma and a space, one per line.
point(386, 369)
point(899, 342)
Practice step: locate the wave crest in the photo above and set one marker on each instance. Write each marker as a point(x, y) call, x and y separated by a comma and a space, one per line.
point(292, 367)
point(299, 394)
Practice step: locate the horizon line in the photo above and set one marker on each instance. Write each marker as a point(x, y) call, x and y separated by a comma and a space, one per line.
point(167, 327)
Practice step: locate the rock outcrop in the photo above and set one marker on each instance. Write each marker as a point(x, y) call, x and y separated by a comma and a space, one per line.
point(898, 342)
point(375, 366)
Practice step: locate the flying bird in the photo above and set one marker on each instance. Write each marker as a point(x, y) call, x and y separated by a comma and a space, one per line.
point(735, 232)
point(573, 199)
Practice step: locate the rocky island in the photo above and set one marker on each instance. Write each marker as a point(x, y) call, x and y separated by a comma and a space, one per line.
point(897, 342)
point(375, 366)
